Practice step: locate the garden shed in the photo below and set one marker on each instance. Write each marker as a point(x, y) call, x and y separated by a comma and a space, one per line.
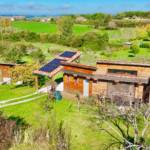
point(5, 70)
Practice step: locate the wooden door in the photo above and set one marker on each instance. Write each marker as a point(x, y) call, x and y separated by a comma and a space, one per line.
point(122, 92)
point(1, 76)
point(86, 87)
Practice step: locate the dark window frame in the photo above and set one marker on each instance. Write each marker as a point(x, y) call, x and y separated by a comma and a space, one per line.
point(122, 72)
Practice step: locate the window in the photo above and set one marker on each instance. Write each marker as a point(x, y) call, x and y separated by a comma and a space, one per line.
point(122, 72)
point(76, 82)
point(68, 79)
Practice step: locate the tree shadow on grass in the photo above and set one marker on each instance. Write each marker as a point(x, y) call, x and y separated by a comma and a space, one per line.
point(18, 86)
point(59, 80)
point(20, 122)
point(130, 55)
point(21, 62)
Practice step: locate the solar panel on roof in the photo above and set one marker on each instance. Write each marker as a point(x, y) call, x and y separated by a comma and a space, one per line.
point(52, 65)
point(68, 54)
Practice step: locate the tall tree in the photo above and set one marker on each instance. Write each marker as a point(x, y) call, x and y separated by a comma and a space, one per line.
point(38, 55)
point(107, 19)
point(65, 26)
point(4, 23)
point(24, 73)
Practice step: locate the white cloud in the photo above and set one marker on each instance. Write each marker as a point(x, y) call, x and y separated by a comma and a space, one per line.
point(127, 4)
point(32, 6)
point(65, 6)
point(6, 4)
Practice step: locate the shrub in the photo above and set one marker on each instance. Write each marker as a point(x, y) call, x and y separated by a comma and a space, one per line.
point(31, 46)
point(48, 50)
point(102, 53)
point(38, 55)
point(135, 49)
point(52, 38)
point(144, 45)
point(126, 47)
point(6, 132)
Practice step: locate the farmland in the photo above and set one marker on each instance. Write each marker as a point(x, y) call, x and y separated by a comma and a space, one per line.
point(40, 27)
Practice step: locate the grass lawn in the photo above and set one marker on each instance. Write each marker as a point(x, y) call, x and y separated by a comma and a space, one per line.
point(14, 91)
point(82, 135)
point(40, 27)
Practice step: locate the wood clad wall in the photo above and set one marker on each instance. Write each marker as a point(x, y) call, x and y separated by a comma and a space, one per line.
point(100, 87)
point(3, 68)
point(139, 92)
point(141, 71)
point(73, 87)
point(81, 70)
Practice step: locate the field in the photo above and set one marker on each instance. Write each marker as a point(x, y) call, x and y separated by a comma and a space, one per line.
point(40, 27)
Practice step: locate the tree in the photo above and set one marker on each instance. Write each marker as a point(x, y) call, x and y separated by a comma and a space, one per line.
point(4, 22)
point(97, 24)
point(107, 19)
point(65, 26)
point(24, 73)
point(112, 24)
point(13, 55)
point(135, 49)
point(38, 55)
point(47, 104)
point(121, 121)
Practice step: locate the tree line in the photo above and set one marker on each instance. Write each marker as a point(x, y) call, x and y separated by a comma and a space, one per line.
point(130, 14)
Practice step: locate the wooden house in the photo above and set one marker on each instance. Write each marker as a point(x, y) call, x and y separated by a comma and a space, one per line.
point(112, 79)
point(4, 71)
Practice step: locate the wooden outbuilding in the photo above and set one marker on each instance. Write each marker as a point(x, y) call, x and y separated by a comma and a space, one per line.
point(5, 71)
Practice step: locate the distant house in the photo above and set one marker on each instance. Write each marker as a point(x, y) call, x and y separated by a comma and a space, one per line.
point(12, 18)
point(45, 19)
point(17, 18)
point(126, 18)
point(80, 19)
point(127, 44)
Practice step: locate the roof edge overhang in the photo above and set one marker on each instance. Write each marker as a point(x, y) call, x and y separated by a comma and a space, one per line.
point(123, 63)
point(8, 64)
point(108, 78)
point(79, 65)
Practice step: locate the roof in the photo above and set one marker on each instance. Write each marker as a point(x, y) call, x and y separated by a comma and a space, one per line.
point(79, 65)
point(80, 18)
point(108, 78)
point(50, 74)
point(125, 63)
point(8, 64)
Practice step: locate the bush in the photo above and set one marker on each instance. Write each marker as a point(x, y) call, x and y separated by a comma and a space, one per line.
point(103, 53)
point(135, 49)
point(126, 47)
point(144, 45)
point(31, 46)
point(6, 132)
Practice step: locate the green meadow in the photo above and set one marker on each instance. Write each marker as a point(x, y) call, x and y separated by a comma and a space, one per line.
point(41, 27)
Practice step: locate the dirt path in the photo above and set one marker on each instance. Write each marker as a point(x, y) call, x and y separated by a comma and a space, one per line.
point(23, 101)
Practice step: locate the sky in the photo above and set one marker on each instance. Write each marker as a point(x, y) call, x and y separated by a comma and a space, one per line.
point(54, 7)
